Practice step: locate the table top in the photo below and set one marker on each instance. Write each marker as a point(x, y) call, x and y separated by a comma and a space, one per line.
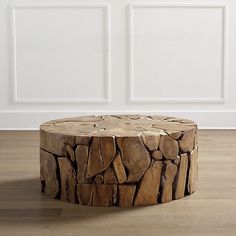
point(118, 125)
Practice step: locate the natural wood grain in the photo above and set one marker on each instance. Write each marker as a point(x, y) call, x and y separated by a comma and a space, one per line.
point(169, 147)
point(151, 140)
point(105, 195)
point(85, 194)
point(101, 154)
point(68, 180)
point(193, 171)
point(81, 155)
point(126, 195)
point(167, 182)
point(209, 211)
point(134, 156)
point(55, 143)
point(71, 152)
point(97, 194)
point(174, 134)
point(95, 161)
point(115, 125)
point(181, 176)
point(149, 187)
point(187, 142)
point(82, 140)
point(119, 169)
point(98, 179)
point(110, 176)
point(48, 174)
point(108, 150)
point(157, 155)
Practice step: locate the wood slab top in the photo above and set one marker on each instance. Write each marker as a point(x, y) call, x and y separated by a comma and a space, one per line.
point(119, 125)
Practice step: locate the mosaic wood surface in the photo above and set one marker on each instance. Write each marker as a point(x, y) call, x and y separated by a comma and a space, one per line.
point(118, 160)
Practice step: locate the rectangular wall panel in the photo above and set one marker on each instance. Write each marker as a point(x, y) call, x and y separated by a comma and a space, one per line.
point(177, 53)
point(61, 52)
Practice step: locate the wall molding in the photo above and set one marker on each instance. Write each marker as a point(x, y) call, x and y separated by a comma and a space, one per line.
point(30, 120)
point(104, 6)
point(224, 78)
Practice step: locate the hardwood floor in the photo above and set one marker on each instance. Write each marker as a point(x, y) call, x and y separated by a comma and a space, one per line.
point(209, 211)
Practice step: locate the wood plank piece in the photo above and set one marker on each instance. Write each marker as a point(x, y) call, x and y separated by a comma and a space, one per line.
point(48, 174)
point(167, 182)
point(149, 187)
point(193, 171)
point(68, 180)
point(182, 176)
point(126, 195)
point(81, 155)
point(110, 176)
point(97, 195)
point(135, 157)
point(101, 154)
point(169, 147)
point(119, 169)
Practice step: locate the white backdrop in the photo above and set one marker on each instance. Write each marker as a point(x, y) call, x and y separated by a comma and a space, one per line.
point(69, 58)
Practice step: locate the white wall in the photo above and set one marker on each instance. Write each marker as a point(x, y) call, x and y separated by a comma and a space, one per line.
point(70, 58)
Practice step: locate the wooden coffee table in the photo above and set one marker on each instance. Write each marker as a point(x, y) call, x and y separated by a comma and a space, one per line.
point(118, 160)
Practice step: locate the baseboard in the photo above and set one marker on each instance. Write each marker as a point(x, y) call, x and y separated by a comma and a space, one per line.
point(25, 120)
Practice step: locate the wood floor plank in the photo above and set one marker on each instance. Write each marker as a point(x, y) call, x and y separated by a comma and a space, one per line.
point(209, 211)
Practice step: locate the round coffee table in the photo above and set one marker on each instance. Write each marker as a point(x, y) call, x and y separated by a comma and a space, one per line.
point(118, 160)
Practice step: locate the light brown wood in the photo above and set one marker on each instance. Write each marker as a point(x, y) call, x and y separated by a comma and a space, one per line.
point(48, 174)
point(95, 161)
point(119, 169)
point(151, 140)
point(97, 194)
point(68, 180)
point(174, 134)
point(85, 194)
point(187, 142)
point(148, 190)
point(98, 179)
point(134, 156)
point(105, 195)
point(83, 128)
point(101, 154)
point(55, 143)
point(193, 171)
point(169, 147)
point(110, 176)
point(108, 150)
point(82, 140)
point(157, 155)
point(71, 152)
point(126, 195)
point(181, 176)
point(209, 211)
point(81, 155)
point(167, 182)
